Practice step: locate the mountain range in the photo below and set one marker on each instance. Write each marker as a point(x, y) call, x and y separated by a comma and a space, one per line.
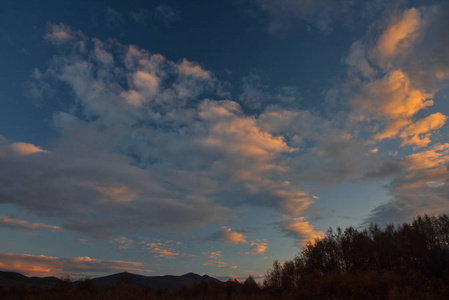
point(13, 279)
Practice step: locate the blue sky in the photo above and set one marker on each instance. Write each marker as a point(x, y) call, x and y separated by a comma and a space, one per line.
point(167, 137)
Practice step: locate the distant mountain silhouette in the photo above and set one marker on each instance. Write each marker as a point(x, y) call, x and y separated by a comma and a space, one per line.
point(155, 282)
point(13, 279)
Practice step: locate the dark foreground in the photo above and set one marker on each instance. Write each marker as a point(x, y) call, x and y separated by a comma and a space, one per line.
point(366, 285)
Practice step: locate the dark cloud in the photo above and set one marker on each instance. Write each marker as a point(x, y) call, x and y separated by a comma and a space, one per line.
point(166, 14)
point(386, 169)
point(321, 13)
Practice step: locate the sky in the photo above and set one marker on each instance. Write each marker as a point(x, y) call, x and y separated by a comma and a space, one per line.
point(167, 137)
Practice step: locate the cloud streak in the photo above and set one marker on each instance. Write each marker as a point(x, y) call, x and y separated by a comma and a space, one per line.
point(40, 265)
point(14, 223)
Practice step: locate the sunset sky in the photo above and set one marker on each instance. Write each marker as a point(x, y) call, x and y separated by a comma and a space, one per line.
point(167, 137)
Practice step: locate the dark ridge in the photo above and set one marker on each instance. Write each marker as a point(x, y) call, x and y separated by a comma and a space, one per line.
point(14, 279)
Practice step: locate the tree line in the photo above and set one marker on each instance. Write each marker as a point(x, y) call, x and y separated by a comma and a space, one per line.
point(374, 263)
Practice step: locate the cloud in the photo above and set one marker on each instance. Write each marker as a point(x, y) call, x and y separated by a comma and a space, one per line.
point(153, 143)
point(394, 82)
point(14, 223)
point(161, 249)
point(323, 14)
point(113, 17)
point(166, 14)
point(213, 254)
point(301, 230)
point(60, 33)
point(257, 96)
point(8, 148)
point(228, 235)
point(421, 188)
point(220, 264)
point(388, 90)
point(40, 265)
point(122, 242)
point(141, 16)
point(258, 247)
point(399, 32)
point(117, 194)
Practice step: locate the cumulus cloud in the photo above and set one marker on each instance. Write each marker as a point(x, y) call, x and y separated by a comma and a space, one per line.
point(15, 223)
point(228, 235)
point(389, 92)
point(396, 83)
point(258, 246)
point(145, 141)
point(40, 265)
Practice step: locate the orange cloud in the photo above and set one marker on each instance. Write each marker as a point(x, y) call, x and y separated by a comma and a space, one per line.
point(301, 229)
point(161, 250)
point(258, 247)
point(17, 149)
point(213, 254)
point(418, 133)
point(41, 265)
point(220, 264)
point(426, 167)
point(189, 68)
point(393, 96)
point(397, 33)
point(393, 100)
point(120, 194)
point(21, 224)
point(228, 235)
point(146, 84)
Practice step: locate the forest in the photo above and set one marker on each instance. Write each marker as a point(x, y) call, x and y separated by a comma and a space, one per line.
point(408, 261)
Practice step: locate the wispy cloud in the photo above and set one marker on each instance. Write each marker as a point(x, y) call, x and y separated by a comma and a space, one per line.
point(323, 14)
point(161, 249)
point(122, 242)
point(40, 265)
point(166, 14)
point(8, 148)
point(15, 223)
point(216, 260)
